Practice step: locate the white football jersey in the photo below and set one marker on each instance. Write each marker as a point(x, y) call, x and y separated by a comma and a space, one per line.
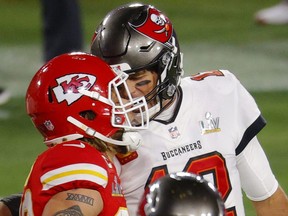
point(215, 121)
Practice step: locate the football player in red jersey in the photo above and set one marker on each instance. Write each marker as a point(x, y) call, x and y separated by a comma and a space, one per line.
point(206, 124)
point(74, 102)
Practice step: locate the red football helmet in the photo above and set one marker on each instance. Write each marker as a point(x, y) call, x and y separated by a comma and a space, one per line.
point(71, 86)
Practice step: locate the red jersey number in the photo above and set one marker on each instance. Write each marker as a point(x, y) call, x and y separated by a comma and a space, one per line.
point(212, 163)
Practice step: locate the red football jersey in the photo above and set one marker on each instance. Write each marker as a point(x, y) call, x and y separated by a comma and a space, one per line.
point(68, 166)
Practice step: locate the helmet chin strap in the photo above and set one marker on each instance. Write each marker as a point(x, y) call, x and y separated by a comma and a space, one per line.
point(131, 139)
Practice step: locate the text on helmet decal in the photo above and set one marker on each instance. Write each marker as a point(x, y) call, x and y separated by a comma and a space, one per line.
point(69, 85)
point(156, 26)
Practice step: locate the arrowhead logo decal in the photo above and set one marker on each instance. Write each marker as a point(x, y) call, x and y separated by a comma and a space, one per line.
point(69, 85)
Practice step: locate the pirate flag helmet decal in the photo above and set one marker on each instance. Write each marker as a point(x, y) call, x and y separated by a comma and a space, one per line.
point(156, 26)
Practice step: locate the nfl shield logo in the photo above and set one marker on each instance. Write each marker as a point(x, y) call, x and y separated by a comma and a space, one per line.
point(174, 133)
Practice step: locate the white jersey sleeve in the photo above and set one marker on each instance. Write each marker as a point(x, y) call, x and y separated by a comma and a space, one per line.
point(257, 179)
point(248, 119)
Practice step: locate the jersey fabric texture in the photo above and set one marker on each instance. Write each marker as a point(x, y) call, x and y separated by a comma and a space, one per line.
point(215, 122)
point(72, 165)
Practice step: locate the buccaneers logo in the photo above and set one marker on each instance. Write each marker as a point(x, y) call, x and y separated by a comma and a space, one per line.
point(156, 26)
point(69, 85)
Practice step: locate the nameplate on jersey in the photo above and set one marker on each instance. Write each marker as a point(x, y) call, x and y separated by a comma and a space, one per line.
point(210, 124)
point(125, 158)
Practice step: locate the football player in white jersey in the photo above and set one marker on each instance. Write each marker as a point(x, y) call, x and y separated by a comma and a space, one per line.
point(206, 124)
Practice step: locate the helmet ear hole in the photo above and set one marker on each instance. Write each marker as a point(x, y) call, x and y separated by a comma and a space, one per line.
point(50, 97)
point(88, 114)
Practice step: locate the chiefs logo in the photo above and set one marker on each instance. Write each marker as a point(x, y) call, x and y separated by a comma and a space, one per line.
point(69, 85)
point(156, 26)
